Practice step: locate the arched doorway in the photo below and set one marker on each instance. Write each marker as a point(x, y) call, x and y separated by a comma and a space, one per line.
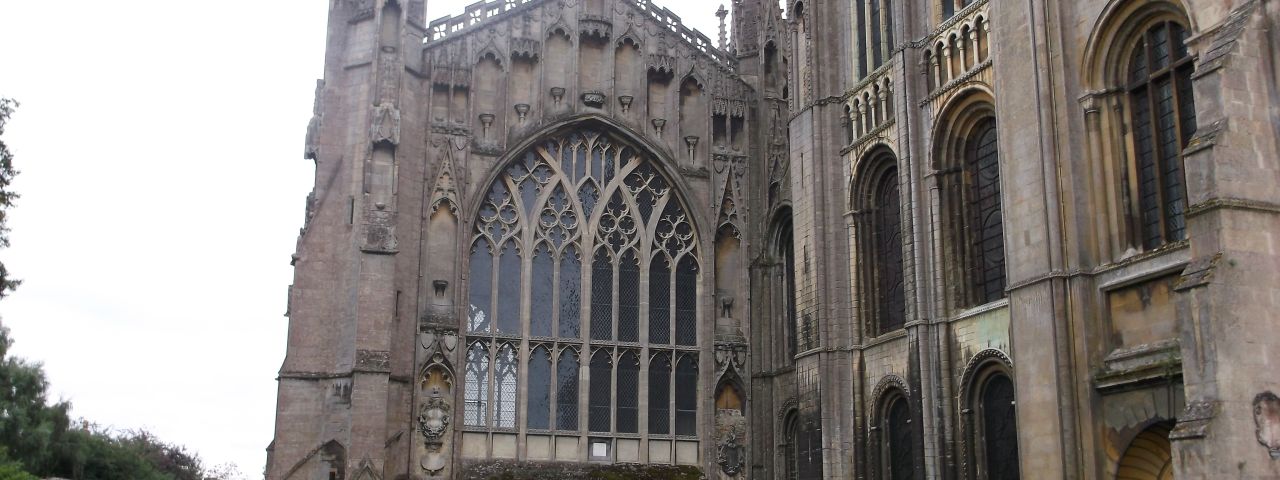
point(1149, 456)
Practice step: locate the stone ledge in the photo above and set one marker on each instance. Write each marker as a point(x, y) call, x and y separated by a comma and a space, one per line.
point(515, 470)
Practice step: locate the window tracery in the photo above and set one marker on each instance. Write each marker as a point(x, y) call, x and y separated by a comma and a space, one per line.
point(583, 193)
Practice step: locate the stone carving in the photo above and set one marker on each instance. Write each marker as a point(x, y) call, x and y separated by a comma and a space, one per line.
point(378, 361)
point(433, 421)
point(311, 151)
point(730, 455)
point(662, 64)
point(593, 99)
point(522, 110)
point(730, 354)
point(658, 124)
point(446, 189)
point(386, 125)
point(525, 48)
point(379, 231)
point(557, 94)
point(595, 26)
point(1266, 420)
point(625, 102)
point(389, 76)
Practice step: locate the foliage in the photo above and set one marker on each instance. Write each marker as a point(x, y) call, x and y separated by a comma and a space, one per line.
point(42, 441)
point(7, 197)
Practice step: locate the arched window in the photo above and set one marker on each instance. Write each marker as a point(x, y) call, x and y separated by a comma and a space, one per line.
point(967, 161)
point(982, 171)
point(878, 236)
point(950, 7)
point(900, 457)
point(785, 282)
point(790, 466)
point(582, 260)
point(1163, 119)
point(999, 432)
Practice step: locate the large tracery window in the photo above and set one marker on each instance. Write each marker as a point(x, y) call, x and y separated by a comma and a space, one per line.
point(1163, 119)
point(583, 271)
point(876, 42)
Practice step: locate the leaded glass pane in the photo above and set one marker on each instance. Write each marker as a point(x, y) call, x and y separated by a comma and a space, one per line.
point(629, 297)
point(504, 377)
point(509, 289)
point(542, 285)
point(628, 393)
point(660, 301)
point(599, 393)
point(877, 50)
point(687, 395)
point(687, 302)
point(602, 296)
point(567, 390)
point(660, 394)
point(481, 286)
point(570, 294)
point(901, 459)
point(476, 391)
point(538, 410)
point(1000, 429)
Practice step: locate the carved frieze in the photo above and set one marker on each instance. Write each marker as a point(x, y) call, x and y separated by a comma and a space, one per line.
point(525, 47)
point(595, 26)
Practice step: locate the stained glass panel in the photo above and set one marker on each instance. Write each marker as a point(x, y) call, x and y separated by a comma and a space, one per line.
point(542, 286)
point(687, 302)
point(660, 394)
point(509, 289)
point(602, 296)
point(538, 410)
point(505, 375)
point(601, 387)
point(659, 301)
point(988, 229)
point(570, 294)
point(628, 393)
point(481, 286)
point(477, 386)
point(687, 395)
point(567, 390)
point(888, 236)
point(629, 297)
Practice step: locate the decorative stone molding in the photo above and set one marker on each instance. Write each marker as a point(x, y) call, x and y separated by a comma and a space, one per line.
point(593, 99)
point(595, 26)
point(385, 128)
point(1194, 421)
point(529, 48)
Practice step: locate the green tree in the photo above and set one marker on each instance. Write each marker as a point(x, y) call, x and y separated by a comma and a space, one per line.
point(30, 428)
point(7, 197)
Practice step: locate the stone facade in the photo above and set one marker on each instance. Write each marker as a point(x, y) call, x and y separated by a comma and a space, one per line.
point(576, 238)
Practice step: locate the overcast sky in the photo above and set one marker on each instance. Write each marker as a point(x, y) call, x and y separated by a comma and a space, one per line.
point(160, 145)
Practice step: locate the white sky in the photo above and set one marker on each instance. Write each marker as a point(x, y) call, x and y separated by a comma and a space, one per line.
point(160, 145)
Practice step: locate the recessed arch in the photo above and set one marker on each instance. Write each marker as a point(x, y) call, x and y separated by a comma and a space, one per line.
point(1121, 23)
point(1149, 455)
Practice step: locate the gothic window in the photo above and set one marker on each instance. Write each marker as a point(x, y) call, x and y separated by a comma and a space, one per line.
point(897, 426)
point(582, 259)
point(983, 170)
point(539, 371)
point(1162, 120)
point(999, 429)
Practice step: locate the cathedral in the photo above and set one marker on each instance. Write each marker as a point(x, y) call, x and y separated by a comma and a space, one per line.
point(845, 239)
